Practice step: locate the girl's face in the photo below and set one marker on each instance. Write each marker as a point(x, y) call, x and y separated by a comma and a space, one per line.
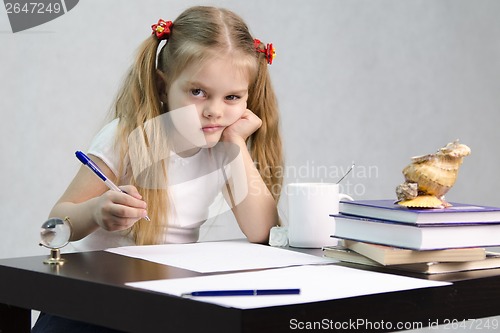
point(219, 91)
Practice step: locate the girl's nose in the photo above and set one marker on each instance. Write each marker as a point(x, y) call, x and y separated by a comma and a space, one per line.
point(212, 110)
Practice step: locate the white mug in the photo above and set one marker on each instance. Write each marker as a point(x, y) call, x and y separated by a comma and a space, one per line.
point(309, 207)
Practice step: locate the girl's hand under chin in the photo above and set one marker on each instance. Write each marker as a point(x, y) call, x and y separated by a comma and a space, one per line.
point(240, 130)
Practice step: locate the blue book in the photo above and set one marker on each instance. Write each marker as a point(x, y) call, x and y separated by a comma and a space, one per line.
point(389, 210)
point(411, 236)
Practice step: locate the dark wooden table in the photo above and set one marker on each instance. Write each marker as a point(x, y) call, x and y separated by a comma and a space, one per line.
point(90, 287)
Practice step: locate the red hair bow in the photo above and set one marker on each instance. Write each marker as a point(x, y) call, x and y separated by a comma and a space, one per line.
point(162, 29)
point(268, 50)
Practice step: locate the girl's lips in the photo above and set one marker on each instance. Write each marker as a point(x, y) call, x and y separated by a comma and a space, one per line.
point(212, 128)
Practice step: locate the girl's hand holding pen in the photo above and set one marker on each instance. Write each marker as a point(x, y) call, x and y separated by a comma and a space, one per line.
point(119, 210)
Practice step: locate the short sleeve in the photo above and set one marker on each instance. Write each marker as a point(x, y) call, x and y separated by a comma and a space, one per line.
point(103, 146)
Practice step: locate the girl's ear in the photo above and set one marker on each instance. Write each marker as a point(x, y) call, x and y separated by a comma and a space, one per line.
point(161, 85)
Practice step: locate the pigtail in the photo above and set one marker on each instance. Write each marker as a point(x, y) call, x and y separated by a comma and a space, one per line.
point(139, 99)
point(138, 102)
point(265, 143)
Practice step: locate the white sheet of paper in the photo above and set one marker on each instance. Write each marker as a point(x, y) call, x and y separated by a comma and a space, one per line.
point(317, 283)
point(219, 256)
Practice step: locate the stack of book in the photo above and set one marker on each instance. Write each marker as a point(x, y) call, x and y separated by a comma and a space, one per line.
point(426, 262)
point(456, 236)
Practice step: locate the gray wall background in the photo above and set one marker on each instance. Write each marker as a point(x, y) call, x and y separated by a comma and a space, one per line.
point(369, 81)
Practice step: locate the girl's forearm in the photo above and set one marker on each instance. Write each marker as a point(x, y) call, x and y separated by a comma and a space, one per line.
point(257, 213)
point(80, 215)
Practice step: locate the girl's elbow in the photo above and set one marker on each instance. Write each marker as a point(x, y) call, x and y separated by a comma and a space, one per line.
point(259, 238)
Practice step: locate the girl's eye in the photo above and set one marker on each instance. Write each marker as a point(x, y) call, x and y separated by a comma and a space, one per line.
point(197, 92)
point(232, 98)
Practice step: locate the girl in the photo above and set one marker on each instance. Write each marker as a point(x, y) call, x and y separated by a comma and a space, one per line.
point(196, 118)
point(209, 79)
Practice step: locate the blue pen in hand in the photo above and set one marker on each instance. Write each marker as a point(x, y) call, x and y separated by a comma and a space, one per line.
point(92, 166)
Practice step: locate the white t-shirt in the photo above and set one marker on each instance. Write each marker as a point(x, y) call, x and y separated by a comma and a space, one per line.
point(194, 183)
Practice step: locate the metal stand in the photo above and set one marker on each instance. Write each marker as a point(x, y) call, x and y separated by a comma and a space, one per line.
point(55, 258)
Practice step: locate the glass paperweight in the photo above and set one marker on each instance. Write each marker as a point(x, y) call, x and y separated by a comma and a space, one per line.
point(55, 234)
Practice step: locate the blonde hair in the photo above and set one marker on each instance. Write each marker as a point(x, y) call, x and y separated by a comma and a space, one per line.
point(198, 34)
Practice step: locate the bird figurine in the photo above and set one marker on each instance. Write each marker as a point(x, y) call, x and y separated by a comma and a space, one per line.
point(429, 177)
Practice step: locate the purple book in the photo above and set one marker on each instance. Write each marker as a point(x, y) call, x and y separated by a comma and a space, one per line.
point(389, 210)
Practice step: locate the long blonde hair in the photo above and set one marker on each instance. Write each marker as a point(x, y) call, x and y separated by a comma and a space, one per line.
point(198, 34)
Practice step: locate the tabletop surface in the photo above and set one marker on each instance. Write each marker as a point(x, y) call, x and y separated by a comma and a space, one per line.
point(90, 286)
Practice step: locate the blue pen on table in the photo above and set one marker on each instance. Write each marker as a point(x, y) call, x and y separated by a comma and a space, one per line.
point(245, 292)
point(92, 166)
